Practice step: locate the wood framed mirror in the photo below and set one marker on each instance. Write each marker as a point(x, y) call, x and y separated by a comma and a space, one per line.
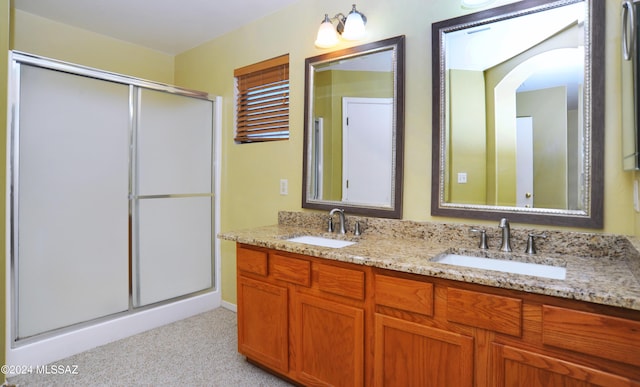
point(354, 129)
point(518, 113)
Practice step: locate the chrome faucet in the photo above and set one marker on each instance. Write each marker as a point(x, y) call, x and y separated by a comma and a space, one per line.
point(506, 235)
point(343, 225)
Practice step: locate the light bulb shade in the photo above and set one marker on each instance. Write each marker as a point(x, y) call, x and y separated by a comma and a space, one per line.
point(354, 26)
point(327, 36)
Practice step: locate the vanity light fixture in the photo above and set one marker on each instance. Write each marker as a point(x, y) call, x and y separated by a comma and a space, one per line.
point(472, 4)
point(350, 27)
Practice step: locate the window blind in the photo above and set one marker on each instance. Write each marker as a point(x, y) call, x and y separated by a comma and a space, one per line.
point(263, 101)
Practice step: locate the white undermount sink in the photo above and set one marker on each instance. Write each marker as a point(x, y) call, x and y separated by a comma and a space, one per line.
point(515, 267)
point(320, 241)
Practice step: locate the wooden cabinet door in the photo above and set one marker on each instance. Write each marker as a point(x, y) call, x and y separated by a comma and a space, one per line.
point(329, 342)
point(408, 354)
point(517, 367)
point(263, 328)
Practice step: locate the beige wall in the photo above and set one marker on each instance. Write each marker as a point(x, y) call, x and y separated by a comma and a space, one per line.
point(251, 172)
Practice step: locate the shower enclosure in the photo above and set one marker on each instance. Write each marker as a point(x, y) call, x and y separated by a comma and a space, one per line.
point(112, 197)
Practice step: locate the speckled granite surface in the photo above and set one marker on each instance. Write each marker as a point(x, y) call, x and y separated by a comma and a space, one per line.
point(603, 269)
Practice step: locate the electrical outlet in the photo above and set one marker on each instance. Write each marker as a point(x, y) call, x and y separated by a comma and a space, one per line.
point(462, 177)
point(284, 187)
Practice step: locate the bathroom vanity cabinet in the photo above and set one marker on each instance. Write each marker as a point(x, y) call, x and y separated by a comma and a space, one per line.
point(303, 317)
point(481, 336)
point(321, 322)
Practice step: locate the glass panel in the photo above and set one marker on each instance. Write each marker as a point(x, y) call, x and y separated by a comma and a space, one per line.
point(174, 248)
point(172, 234)
point(72, 252)
point(174, 136)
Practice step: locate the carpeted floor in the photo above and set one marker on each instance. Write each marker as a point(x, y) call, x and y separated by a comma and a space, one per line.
point(198, 351)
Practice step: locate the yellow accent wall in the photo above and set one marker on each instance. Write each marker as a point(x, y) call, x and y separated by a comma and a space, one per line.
point(467, 138)
point(36, 35)
point(251, 172)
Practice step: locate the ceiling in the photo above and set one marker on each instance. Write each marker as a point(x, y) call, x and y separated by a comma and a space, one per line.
point(168, 26)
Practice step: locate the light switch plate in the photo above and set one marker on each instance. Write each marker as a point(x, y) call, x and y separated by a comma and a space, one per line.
point(462, 177)
point(284, 187)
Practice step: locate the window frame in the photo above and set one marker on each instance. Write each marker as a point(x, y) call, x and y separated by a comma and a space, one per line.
point(262, 101)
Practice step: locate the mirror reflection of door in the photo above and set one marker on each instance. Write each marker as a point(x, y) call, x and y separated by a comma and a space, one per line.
point(367, 150)
point(530, 66)
point(524, 162)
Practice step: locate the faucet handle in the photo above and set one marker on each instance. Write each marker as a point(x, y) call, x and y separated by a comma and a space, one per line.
point(483, 237)
point(531, 245)
point(356, 229)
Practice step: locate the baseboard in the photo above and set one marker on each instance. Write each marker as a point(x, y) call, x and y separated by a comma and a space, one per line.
point(230, 306)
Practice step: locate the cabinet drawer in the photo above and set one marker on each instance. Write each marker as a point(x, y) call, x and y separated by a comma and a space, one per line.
point(296, 271)
point(340, 281)
point(519, 367)
point(593, 334)
point(487, 311)
point(251, 261)
point(412, 296)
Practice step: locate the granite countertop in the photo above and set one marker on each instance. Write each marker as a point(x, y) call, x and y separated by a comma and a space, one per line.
point(602, 278)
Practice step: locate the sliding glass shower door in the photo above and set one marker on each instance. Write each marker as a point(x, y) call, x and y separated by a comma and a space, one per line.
point(71, 181)
point(173, 196)
point(112, 196)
